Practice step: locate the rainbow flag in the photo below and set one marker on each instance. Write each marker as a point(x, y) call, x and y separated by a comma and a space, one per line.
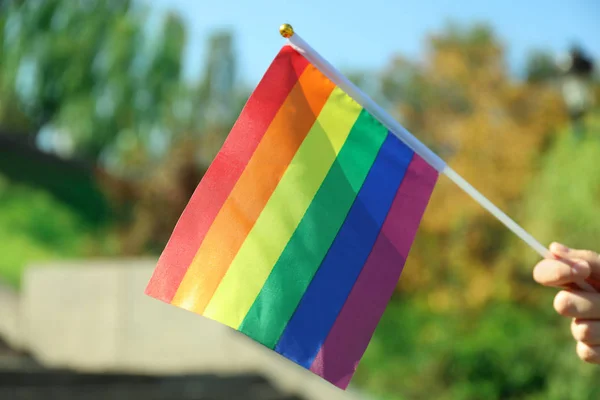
point(299, 230)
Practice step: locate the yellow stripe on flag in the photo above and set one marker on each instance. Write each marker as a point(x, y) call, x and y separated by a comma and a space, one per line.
point(252, 191)
point(284, 211)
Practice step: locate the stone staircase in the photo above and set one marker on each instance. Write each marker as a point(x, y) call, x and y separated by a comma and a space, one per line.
point(68, 385)
point(85, 330)
point(23, 378)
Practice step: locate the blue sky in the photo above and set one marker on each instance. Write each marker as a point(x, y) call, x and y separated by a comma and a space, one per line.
point(365, 34)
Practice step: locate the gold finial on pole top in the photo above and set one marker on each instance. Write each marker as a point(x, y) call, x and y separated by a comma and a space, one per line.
point(286, 31)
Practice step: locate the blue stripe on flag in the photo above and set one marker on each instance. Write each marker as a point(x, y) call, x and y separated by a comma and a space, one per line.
point(331, 285)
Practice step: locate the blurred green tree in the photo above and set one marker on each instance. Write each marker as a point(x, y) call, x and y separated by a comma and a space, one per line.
point(492, 129)
point(563, 202)
point(100, 81)
point(541, 67)
point(218, 94)
point(200, 120)
point(85, 75)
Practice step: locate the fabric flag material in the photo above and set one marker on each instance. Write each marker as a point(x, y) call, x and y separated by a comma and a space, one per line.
point(298, 232)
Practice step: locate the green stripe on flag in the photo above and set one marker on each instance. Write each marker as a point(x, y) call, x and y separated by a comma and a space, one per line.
point(304, 253)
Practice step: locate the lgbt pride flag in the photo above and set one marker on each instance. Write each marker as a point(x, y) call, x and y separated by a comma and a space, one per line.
point(297, 234)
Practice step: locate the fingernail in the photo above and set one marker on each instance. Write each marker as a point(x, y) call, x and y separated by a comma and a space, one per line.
point(560, 248)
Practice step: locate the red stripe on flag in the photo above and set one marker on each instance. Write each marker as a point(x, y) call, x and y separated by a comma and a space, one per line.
point(224, 172)
point(352, 331)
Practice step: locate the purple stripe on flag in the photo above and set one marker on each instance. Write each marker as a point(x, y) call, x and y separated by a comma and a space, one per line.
point(350, 335)
point(308, 328)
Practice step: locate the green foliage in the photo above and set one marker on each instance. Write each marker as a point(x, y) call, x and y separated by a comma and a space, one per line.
point(85, 72)
point(100, 81)
point(564, 201)
point(73, 184)
point(36, 227)
point(541, 67)
point(504, 351)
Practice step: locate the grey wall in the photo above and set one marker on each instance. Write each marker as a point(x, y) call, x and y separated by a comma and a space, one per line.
point(95, 317)
point(9, 316)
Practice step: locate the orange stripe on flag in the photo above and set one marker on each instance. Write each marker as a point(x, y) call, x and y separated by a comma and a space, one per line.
point(224, 172)
point(250, 195)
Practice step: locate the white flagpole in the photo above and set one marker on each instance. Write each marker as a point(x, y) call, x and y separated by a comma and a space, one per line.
point(417, 146)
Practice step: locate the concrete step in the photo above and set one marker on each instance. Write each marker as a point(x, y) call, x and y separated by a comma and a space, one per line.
point(66, 385)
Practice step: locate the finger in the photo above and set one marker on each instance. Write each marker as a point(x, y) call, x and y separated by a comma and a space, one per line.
point(582, 305)
point(587, 353)
point(586, 331)
point(558, 273)
point(592, 258)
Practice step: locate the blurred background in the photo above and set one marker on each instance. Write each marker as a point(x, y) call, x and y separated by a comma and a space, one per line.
point(111, 111)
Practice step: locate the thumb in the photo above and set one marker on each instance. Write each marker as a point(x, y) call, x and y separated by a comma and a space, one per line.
point(590, 257)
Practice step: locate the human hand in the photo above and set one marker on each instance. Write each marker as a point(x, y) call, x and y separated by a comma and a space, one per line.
point(569, 267)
